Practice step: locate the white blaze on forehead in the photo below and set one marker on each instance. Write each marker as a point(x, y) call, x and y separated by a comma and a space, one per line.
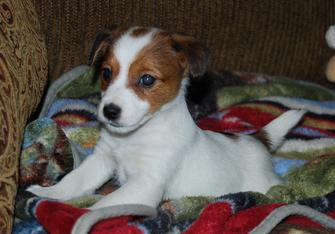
point(127, 48)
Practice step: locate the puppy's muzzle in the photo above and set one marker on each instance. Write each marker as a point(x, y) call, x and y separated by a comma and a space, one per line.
point(112, 112)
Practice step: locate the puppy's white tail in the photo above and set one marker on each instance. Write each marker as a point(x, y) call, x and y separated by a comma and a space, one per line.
point(272, 135)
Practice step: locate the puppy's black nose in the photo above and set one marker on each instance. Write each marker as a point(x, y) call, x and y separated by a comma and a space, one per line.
point(111, 111)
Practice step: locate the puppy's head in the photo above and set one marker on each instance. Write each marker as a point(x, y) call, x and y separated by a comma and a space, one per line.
point(141, 71)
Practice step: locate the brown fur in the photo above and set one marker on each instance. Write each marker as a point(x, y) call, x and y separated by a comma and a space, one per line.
point(104, 40)
point(140, 31)
point(263, 137)
point(196, 56)
point(102, 54)
point(159, 60)
point(110, 62)
point(231, 135)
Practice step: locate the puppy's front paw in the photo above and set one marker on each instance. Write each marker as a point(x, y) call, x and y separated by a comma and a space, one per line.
point(47, 192)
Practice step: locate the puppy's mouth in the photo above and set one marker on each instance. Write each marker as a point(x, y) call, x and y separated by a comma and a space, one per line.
point(122, 125)
point(116, 125)
point(120, 128)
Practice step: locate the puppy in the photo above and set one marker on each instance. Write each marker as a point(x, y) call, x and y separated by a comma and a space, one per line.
point(148, 138)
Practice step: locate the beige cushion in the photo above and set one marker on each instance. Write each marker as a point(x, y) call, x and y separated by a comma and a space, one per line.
point(23, 73)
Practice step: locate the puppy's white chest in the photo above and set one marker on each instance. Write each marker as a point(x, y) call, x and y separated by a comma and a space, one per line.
point(126, 162)
point(125, 155)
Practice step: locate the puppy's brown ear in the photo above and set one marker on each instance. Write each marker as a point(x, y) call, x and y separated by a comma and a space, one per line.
point(193, 55)
point(97, 46)
point(100, 46)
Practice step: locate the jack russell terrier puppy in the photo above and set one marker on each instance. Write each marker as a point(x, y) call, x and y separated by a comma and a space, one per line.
point(148, 138)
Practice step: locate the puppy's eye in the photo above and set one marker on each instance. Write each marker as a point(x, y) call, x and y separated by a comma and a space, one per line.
point(107, 74)
point(147, 81)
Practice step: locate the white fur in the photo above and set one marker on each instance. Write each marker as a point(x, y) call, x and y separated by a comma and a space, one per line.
point(276, 130)
point(165, 155)
point(330, 37)
point(300, 146)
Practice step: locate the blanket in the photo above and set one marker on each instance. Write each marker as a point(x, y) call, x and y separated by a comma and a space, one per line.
point(67, 131)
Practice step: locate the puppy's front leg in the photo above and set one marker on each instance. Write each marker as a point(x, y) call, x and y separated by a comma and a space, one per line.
point(90, 175)
point(137, 190)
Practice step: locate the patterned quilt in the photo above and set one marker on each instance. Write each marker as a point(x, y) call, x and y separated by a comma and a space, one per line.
point(67, 130)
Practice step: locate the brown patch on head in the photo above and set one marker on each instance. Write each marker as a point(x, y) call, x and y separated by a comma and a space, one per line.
point(263, 137)
point(140, 31)
point(159, 60)
point(169, 58)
